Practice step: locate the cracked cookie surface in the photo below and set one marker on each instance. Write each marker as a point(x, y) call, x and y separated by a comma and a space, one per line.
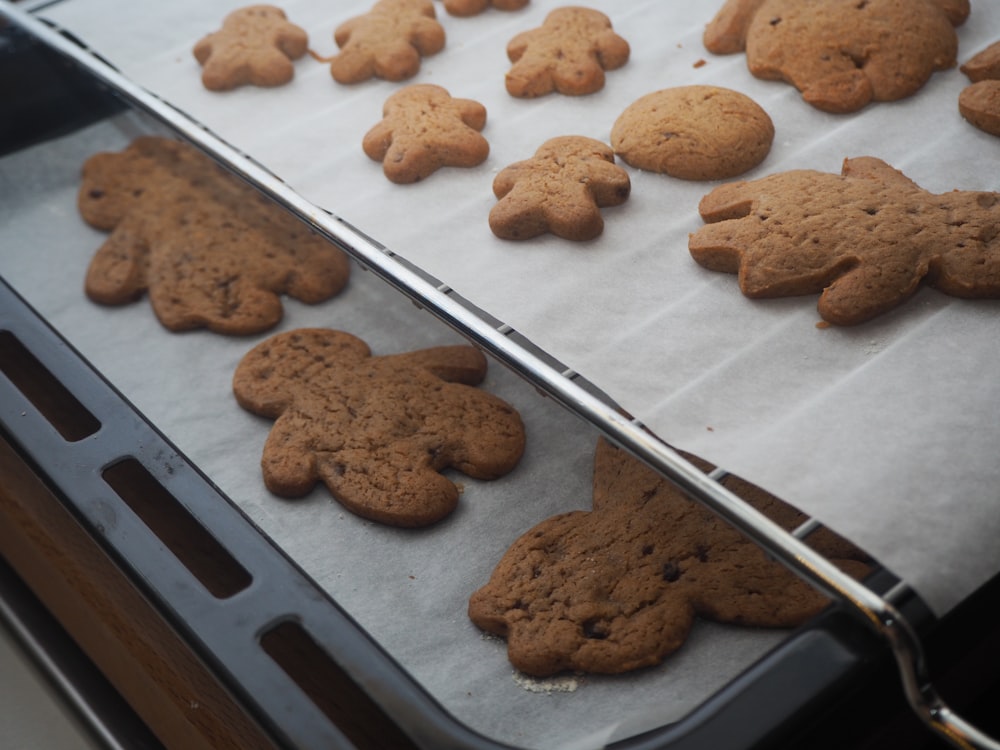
point(378, 431)
point(619, 587)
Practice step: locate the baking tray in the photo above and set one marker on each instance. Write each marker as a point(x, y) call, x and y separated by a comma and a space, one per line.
point(30, 344)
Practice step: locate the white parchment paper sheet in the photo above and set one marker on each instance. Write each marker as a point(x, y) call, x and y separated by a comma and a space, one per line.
point(408, 588)
point(887, 432)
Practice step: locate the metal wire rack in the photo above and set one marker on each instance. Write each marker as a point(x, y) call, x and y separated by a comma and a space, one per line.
point(879, 612)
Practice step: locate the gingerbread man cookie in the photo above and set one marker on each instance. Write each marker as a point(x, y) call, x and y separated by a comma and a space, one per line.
point(561, 190)
point(841, 54)
point(424, 129)
point(619, 587)
point(864, 239)
point(387, 42)
point(377, 431)
point(256, 45)
point(465, 8)
point(208, 249)
point(568, 54)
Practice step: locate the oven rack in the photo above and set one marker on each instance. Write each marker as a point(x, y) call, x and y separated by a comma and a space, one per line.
point(881, 613)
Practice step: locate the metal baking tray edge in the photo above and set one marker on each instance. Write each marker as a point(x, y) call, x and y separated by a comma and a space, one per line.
point(269, 599)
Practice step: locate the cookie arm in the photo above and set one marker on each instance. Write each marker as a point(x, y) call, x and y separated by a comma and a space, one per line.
point(612, 50)
point(288, 463)
point(117, 273)
point(727, 32)
point(454, 364)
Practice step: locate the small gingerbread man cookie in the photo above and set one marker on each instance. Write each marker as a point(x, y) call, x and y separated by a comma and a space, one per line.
point(388, 42)
point(561, 190)
point(465, 8)
point(256, 46)
point(377, 431)
point(424, 129)
point(568, 54)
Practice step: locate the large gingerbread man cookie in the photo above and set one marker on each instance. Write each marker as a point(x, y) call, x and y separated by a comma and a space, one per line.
point(423, 129)
point(620, 587)
point(208, 249)
point(841, 54)
point(256, 45)
point(388, 42)
point(568, 54)
point(864, 239)
point(376, 430)
point(561, 190)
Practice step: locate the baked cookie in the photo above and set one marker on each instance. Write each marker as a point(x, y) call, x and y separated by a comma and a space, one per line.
point(864, 239)
point(841, 54)
point(423, 129)
point(388, 42)
point(377, 431)
point(568, 54)
point(465, 8)
point(561, 190)
point(984, 65)
point(256, 46)
point(694, 133)
point(619, 587)
point(979, 103)
point(209, 250)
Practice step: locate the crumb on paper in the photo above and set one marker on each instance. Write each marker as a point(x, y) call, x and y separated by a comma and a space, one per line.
point(548, 685)
point(700, 63)
point(874, 346)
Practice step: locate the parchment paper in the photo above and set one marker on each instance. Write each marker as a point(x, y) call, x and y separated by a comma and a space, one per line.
point(886, 432)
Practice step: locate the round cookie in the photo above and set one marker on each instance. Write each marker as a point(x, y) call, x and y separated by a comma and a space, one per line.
point(694, 133)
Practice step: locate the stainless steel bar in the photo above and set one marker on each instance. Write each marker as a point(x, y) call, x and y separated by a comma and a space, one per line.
point(871, 608)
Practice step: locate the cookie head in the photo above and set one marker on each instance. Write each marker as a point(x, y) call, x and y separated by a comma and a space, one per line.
point(423, 129)
point(567, 54)
point(619, 587)
point(841, 54)
point(207, 249)
point(256, 45)
point(864, 240)
point(388, 42)
point(561, 190)
point(378, 431)
point(694, 133)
